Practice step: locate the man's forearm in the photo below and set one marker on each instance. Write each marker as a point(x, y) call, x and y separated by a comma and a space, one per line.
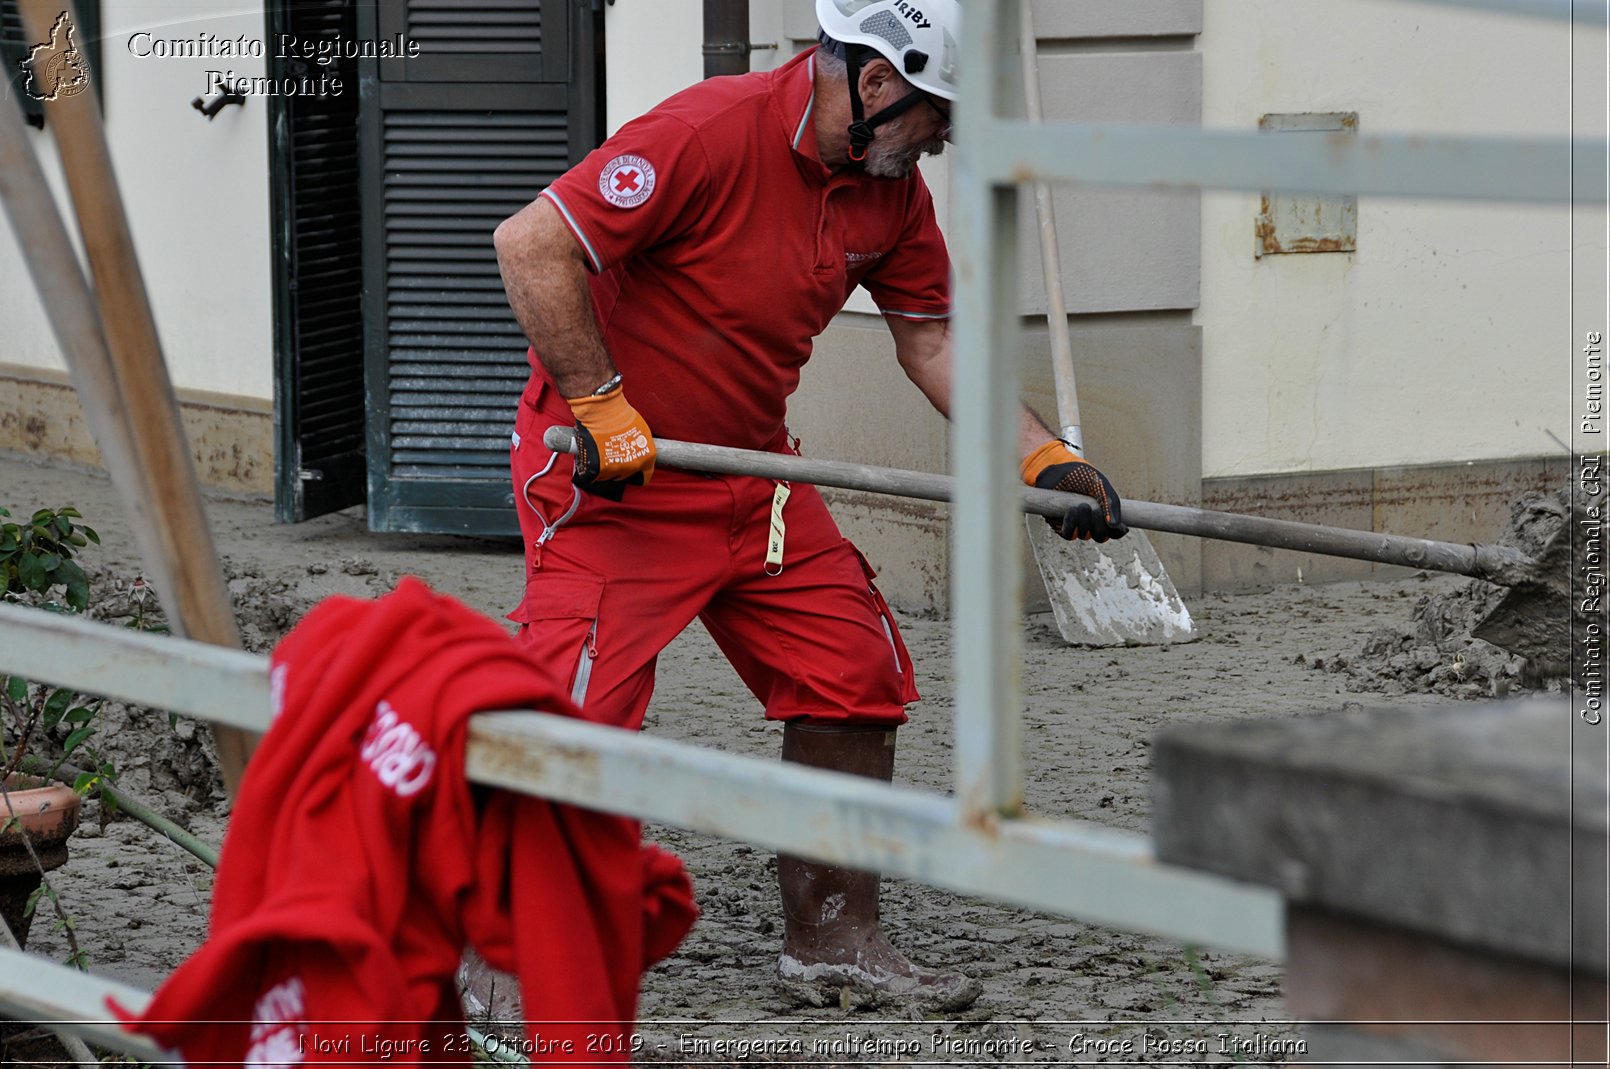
point(546, 282)
point(925, 355)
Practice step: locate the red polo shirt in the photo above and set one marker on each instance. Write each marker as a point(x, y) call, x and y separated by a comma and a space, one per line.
point(721, 246)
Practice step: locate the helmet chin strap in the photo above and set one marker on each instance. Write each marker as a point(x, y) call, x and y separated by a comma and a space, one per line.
point(862, 129)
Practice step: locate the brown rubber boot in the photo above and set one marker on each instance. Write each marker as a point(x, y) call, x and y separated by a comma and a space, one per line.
point(834, 951)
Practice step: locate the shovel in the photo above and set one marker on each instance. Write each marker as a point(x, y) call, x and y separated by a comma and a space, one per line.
point(1115, 593)
point(1533, 621)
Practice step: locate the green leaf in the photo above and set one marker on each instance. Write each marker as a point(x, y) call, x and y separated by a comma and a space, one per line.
point(51, 561)
point(81, 715)
point(17, 689)
point(86, 782)
point(89, 533)
point(77, 585)
point(56, 705)
point(31, 570)
point(76, 738)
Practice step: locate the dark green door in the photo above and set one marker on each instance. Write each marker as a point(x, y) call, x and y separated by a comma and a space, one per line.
point(499, 103)
point(318, 276)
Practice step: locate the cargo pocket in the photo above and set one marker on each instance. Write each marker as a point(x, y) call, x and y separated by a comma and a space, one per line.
point(897, 645)
point(559, 623)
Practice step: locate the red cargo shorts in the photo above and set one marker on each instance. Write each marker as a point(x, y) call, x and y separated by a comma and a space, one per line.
point(609, 584)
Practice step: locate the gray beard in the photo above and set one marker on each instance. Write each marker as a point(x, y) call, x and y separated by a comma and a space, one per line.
point(884, 162)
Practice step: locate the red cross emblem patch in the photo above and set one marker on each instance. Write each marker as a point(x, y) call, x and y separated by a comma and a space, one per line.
point(626, 181)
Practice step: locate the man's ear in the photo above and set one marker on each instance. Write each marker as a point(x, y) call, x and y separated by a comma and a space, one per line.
point(876, 79)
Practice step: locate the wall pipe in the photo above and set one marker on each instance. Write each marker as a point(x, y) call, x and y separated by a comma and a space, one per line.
point(726, 37)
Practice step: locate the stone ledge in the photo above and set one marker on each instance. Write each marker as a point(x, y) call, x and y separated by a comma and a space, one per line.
point(231, 438)
point(1458, 501)
point(1387, 996)
point(1479, 824)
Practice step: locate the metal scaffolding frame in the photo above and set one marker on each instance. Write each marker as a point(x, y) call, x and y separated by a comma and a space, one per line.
point(977, 841)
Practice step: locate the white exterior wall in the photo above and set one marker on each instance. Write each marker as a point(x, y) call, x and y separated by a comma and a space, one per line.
point(1446, 336)
point(196, 193)
point(653, 48)
point(656, 47)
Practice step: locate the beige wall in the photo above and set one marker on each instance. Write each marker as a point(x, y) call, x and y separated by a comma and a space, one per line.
point(196, 193)
point(1444, 339)
point(1445, 336)
point(654, 51)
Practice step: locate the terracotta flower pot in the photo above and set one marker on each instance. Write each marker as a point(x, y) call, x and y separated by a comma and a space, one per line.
point(46, 813)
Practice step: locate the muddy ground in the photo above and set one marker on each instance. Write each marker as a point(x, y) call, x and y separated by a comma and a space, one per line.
point(139, 904)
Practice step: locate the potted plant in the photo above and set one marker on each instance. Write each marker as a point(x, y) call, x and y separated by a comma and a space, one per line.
point(38, 813)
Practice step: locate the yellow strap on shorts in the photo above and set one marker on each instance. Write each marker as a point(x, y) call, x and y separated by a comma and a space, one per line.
point(774, 545)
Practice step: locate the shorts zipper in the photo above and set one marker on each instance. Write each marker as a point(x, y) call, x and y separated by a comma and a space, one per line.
point(584, 666)
point(888, 633)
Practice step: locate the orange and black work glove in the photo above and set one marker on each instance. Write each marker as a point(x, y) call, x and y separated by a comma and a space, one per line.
point(614, 446)
point(1055, 466)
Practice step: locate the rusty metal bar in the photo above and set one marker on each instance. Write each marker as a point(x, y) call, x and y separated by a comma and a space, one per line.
point(1582, 12)
point(1557, 171)
point(215, 683)
point(35, 990)
point(1498, 564)
point(1084, 870)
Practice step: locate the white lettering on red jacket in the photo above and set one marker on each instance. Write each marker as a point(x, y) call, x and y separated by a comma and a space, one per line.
point(277, 1019)
point(396, 754)
point(276, 690)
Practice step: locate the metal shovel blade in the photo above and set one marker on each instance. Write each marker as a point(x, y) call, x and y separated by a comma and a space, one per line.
point(1534, 618)
point(1112, 594)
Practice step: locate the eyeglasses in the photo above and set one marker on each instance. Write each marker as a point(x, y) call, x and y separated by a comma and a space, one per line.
point(942, 108)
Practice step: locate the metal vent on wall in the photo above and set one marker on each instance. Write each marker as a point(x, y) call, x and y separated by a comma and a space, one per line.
point(456, 356)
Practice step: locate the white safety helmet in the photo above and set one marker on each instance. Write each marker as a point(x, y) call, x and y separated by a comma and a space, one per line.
point(918, 37)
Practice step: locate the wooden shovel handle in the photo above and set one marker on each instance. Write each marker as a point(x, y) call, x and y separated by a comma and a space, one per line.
point(1056, 309)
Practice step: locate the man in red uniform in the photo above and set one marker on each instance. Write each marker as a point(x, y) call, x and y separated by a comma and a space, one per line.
point(688, 263)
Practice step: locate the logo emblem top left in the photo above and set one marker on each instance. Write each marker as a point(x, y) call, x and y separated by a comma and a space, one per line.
point(56, 68)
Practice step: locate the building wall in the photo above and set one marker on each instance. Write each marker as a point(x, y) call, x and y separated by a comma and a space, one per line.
point(1436, 348)
point(196, 194)
point(1440, 339)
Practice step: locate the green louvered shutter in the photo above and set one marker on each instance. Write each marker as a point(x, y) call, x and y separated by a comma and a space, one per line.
point(318, 247)
point(454, 141)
